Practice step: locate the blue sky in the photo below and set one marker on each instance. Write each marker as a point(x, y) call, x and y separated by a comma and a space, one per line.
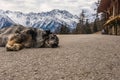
point(73, 6)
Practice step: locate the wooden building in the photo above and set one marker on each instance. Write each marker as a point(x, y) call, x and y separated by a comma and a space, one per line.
point(111, 9)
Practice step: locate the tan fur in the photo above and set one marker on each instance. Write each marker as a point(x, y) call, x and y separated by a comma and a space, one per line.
point(14, 47)
point(17, 41)
point(17, 37)
point(14, 43)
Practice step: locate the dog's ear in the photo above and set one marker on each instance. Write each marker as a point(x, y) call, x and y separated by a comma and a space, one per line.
point(30, 31)
point(48, 32)
point(18, 32)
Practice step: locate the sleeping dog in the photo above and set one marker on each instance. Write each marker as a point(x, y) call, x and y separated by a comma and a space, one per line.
point(17, 37)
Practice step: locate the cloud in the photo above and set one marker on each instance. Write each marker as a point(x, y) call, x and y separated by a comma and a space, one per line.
point(73, 6)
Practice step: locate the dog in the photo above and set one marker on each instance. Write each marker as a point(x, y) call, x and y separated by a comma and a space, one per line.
point(17, 37)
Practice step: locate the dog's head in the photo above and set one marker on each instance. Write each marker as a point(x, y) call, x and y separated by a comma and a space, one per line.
point(52, 41)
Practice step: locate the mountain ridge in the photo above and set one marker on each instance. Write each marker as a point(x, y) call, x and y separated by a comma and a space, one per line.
point(51, 20)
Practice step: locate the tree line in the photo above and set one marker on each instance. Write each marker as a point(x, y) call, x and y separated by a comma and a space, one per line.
point(84, 26)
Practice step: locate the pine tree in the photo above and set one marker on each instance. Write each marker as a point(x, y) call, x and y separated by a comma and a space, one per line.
point(95, 26)
point(80, 25)
point(87, 27)
point(64, 30)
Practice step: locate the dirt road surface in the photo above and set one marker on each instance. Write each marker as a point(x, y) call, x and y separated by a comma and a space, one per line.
point(79, 57)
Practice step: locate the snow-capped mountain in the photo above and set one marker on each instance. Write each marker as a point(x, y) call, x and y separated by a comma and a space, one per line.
point(5, 21)
point(46, 20)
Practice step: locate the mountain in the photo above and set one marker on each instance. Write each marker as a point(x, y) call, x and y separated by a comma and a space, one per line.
point(5, 21)
point(51, 20)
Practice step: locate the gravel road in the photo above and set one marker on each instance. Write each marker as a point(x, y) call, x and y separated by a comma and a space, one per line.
point(79, 57)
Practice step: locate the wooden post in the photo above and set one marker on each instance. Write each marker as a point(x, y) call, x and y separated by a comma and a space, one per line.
point(114, 13)
point(116, 29)
point(107, 30)
point(113, 8)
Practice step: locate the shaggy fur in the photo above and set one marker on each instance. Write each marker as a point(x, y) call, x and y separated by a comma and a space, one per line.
point(14, 42)
point(5, 33)
point(23, 39)
point(52, 41)
point(18, 37)
point(29, 38)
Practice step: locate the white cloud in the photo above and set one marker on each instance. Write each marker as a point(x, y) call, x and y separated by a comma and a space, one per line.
point(74, 6)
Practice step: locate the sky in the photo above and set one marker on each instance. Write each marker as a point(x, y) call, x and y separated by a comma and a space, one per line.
point(26, 6)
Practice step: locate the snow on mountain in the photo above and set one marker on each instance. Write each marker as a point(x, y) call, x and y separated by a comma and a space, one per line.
point(5, 21)
point(46, 20)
